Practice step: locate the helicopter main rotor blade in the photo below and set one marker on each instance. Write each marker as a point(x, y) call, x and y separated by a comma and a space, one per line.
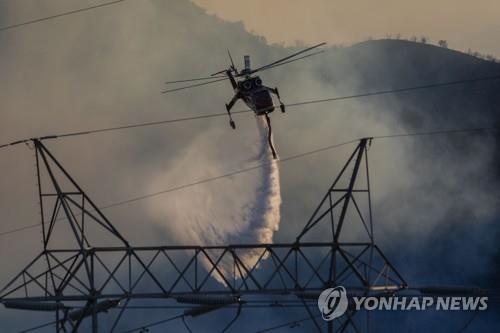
point(286, 58)
point(194, 85)
point(289, 61)
point(197, 79)
point(219, 72)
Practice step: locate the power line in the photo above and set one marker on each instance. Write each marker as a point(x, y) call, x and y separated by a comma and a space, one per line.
point(184, 186)
point(17, 25)
point(221, 114)
point(143, 327)
point(296, 322)
point(290, 324)
point(287, 324)
point(436, 132)
point(262, 305)
point(400, 90)
point(258, 166)
point(19, 229)
point(140, 328)
point(38, 327)
point(468, 322)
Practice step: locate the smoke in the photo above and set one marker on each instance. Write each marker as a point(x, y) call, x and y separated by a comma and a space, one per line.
point(224, 211)
point(107, 68)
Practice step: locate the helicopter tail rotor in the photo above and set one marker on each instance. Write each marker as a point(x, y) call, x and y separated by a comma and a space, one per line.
point(232, 62)
point(231, 68)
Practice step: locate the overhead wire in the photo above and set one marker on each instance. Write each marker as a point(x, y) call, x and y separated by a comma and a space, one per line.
point(141, 328)
point(281, 160)
point(138, 328)
point(468, 322)
point(184, 186)
point(31, 329)
point(156, 323)
point(17, 25)
point(291, 105)
point(287, 324)
point(206, 116)
point(283, 304)
point(400, 90)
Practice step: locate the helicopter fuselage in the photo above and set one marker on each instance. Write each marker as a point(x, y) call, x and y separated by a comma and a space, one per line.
point(253, 93)
point(256, 96)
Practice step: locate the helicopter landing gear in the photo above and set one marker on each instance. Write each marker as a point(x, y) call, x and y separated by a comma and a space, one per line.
point(231, 121)
point(277, 93)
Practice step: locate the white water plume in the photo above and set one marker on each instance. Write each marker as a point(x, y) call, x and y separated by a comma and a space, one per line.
point(243, 209)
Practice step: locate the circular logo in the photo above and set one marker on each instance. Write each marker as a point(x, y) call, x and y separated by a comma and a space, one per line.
point(332, 303)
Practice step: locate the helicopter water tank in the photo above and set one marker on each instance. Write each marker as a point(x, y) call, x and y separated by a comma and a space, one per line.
point(247, 62)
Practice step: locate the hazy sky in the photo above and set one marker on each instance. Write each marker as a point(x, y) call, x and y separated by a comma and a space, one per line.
point(464, 24)
point(106, 67)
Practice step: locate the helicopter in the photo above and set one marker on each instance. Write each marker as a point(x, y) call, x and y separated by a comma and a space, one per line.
point(249, 87)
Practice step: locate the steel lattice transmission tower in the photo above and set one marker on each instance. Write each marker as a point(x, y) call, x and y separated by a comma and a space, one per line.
point(82, 281)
